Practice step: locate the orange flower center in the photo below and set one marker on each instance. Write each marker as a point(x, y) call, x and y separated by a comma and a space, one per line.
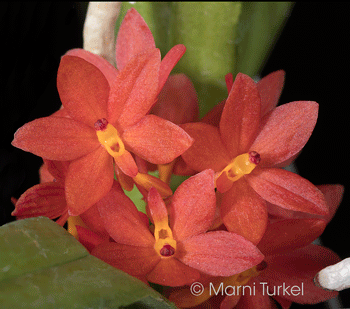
point(109, 137)
point(241, 165)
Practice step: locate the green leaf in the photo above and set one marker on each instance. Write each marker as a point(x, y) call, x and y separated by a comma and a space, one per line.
point(43, 266)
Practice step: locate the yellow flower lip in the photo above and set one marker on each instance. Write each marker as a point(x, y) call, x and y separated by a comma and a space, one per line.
point(109, 137)
point(241, 165)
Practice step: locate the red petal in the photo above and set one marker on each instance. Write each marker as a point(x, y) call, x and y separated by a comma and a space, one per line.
point(94, 222)
point(156, 206)
point(171, 272)
point(58, 169)
point(56, 138)
point(147, 181)
point(177, 102)
point(134, 260)
point(219, 253)
point(333, 195)
point(193, 206)
point(134, 90)
point(241, 116)
point(83, 89)
point(127, 164)
point(298, 268)
point(169, 61)
point(46, 199)
point(288, 190)
point(214, 115)
point(125, 181)
point(122, 220)
point(88, 238)
point(290, 234)
point(156, 140)
point(229, 82)
point(244, 212)
point(285, 131)
point(108, 70)
point(134, 37)
point(270, 88)
point(207, 150)
point(88, 180)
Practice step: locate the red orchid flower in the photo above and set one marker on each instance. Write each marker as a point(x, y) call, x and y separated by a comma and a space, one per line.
point(47, 198)
point(290, 260)
point(99, 116)
point(178, 249)
point(244, 152)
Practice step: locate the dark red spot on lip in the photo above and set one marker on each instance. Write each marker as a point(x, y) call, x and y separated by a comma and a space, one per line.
point(167, 250)
point(254, 157)
point(101, 124)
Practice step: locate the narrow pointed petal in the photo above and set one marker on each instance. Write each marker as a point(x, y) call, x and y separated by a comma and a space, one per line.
point(270, 88)
point(300, 267)
point(157, 208)
point(214, 115)
point(147, 182)
point(244, 212)
point(134, 90)
point(241, 116)
point(46, 199)
point(88, 180)
point(88, 238)
point(193, 206)
point(108, 70)
point(333, 195)
point(171, 272)
point(156, 140)
point(169, 61)
point(125, 181)
point(83, 89)
point(122, 220)
point(219, 253)
point(288, 190)
point(285, 131)
point(92, 219)
point(177, 102)
point(58, 169)
point(134, 260)
point(56, 138)
point(207, 150)
point(229, 82)
point(127, 164)
point(134, 37)
point(290, 234)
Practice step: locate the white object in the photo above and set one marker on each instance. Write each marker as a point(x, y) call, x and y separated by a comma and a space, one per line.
point(98, 33)
point(335, 277)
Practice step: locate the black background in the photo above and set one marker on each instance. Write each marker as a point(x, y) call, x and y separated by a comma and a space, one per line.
point(313, 50)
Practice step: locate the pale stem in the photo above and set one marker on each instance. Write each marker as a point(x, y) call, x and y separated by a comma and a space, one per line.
point(335, 277)
point(99, 27)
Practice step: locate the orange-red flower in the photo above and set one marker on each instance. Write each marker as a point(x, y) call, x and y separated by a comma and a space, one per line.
point(178, 249)
point(290, 260)
point(104, 124)
point(245, 150)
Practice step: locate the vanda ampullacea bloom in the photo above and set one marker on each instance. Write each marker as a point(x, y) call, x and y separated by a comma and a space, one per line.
point(287, 272)
point(179, 247)
point(102, 128)
point(246, 150)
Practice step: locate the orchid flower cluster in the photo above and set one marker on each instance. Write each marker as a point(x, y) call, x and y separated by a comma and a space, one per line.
point(239, 219)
